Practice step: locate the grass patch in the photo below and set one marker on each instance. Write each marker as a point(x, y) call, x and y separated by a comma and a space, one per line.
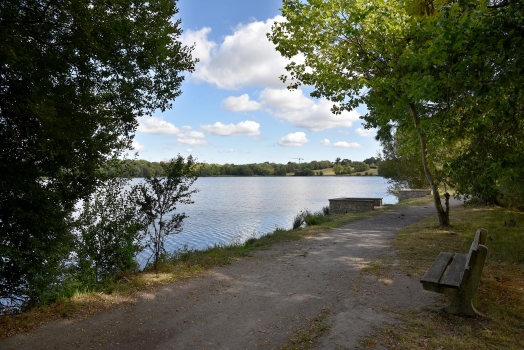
point(500, 296)
point(370, 172)
point(427, 200)
point(378, 268)
point(327, 171)
point(305, 338)
point(125, 288)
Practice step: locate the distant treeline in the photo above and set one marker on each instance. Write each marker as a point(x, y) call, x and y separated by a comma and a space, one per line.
point(143, 168)
point(346, 166)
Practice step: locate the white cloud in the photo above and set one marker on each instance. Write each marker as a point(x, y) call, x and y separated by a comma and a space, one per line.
point(195, 134)
point(344, 144)
point(245, 58)
point(296, 139)
point(240, 104)
point(185, 134)
point(246, 127)
point(189, 150)
point(364, 132)
point(203, 47)
point(301, 111)
point(154, 125)
point(230, 150)
point(192, 141)
point(189, 137)
point(137, 146)
point(325, 142)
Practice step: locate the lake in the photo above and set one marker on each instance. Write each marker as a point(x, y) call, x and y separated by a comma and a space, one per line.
point(234, 209)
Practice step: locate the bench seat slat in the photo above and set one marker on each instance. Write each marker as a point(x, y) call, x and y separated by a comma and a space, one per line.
point(453, 277)
point(437, 269)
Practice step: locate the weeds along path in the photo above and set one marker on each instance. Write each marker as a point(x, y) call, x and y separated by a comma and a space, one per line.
point(262, 300)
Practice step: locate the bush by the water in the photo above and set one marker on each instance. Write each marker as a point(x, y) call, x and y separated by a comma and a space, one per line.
point(299, 219)
point(307, 218)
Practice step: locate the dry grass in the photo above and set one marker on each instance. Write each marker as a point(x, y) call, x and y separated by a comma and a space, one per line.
point(500, 297)
point(327, 171)
point(306, 338)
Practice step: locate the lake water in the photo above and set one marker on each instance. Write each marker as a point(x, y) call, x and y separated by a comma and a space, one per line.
point(234, 209)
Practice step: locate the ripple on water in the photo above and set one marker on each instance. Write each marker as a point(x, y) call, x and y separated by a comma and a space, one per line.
point(234, 209)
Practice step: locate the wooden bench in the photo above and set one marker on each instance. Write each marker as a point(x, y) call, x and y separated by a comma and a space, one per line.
point(458, 276)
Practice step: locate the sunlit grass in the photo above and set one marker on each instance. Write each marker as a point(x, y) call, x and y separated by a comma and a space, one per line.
point(370, 172)
point(330, 172)
point(501, 294)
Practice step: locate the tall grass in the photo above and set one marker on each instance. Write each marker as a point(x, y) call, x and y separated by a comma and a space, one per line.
point(307, 218)
point(300, 219)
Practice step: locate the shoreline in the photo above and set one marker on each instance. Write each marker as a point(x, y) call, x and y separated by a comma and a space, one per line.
point(298, 275)
point(197, 263)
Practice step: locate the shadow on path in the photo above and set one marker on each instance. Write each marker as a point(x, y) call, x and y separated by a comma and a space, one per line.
point(259, 301)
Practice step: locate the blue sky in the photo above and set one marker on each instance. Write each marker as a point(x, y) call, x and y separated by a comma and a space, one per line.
point(234, 109)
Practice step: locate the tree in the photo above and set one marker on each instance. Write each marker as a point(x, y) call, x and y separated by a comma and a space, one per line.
point(74, 76)
point(338, 169)
point(360, 52)
point(482, 90)
point(360, 167)
point(158, 199)
point(401, 165)
point(109, 232)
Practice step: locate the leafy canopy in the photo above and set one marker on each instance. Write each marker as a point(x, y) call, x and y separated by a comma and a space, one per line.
point(74, 75)
point(361, 52)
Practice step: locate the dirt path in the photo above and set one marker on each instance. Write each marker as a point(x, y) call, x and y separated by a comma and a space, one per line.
point(259, 301)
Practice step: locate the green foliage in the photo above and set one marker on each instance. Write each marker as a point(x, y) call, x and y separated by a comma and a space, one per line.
point(143, 168)
point(339, 169)
point(480, 85)
point(158, 199)
point(108, 233)
point(263, 169)
point(401, 166)
point(347, 166)
point(318, 218)
point(304, 172)
point(75, 75)
point(359, 166)
point(299, 219)
point(307, 218)
point(444, 75)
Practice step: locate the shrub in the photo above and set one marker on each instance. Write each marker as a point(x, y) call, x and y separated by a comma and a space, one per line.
point(299, 219)
point(315, 219)
point(107, 233)
point(158, 199)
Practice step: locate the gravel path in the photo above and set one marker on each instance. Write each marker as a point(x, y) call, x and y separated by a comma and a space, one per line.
point(259, 301)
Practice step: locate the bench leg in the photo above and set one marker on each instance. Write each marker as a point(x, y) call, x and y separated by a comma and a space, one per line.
point(460, 303)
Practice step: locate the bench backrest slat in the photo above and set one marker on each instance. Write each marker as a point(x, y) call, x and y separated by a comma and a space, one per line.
point(480, 238)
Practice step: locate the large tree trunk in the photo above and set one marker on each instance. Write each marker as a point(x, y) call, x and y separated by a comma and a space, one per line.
point(443, 215)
